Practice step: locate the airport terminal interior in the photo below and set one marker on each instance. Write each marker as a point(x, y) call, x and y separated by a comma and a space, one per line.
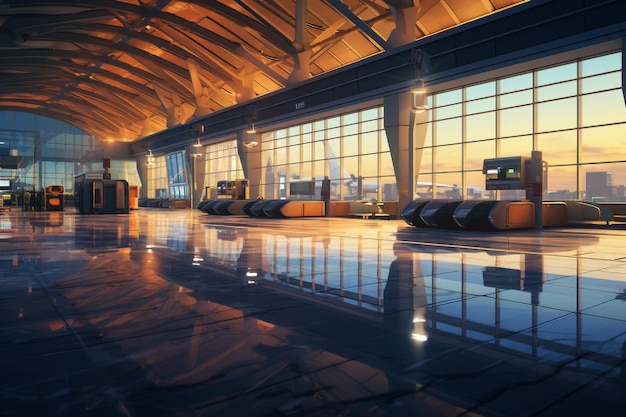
point(313, 208)
point(180, 313)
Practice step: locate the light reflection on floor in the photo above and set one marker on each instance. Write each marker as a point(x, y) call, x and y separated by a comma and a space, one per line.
point(178, 313)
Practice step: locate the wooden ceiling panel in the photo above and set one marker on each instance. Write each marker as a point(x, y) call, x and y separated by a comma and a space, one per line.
point(126, 61)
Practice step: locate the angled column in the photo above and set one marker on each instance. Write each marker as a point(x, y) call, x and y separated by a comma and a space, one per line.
point(401, 117)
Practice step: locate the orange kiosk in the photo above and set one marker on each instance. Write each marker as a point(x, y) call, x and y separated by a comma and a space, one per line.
point(53, 198)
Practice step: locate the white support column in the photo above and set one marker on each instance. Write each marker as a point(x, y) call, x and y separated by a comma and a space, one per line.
point(404, 135)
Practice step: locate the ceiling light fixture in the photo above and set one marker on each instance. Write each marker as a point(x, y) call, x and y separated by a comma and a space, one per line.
point(150, 159)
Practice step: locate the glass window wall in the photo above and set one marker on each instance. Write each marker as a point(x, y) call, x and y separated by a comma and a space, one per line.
point(223, 163)
point(574, 113)
point(350, 149)
point(51, 152)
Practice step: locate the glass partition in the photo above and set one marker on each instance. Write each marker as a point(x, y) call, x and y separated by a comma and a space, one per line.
point(574, 113)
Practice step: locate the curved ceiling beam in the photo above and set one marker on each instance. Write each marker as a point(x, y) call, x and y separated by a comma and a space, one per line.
point(98, 64)
point(257, 24)
point(70, 72)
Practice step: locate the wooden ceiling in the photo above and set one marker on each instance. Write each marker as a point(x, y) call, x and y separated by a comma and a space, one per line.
point(124, 69)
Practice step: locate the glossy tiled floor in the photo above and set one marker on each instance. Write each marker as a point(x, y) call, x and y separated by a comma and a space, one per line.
point(177, 313)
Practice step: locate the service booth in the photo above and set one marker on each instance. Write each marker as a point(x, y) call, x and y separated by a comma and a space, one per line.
point(53, 198)
point(101, 196)
point(236, 190)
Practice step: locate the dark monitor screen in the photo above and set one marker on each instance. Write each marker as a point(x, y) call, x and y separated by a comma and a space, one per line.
point(302, 188)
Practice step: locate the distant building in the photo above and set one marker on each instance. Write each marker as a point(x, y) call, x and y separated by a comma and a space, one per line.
point(600, 186)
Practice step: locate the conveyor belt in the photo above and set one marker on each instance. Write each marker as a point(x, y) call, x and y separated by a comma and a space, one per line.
point(221, 208)
point(439, 213)
point(263, 208)
point(411, 213)
point(273, 208)
point(472, 215)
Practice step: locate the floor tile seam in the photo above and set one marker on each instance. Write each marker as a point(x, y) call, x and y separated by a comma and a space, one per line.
point(462, 248)
point(557, 281)
point(552, 345)
point(583, 311)
point(337, 293)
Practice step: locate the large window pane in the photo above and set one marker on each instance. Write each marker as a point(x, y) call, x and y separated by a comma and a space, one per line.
point(350, 120)
point(554, 91)
point(599, 144)
point(480, 106)
point(389, 188)
point(475, 185)
point(448, 112)
point(370, 114)
point(487, 89)
point(426, 160)
point(386, 165)
point(351, 145)
point(280, 156)
point(604, 182)
point(425, 185)
point(307, 154)
point(477, 152)
point(519, 146)
point(601, 82)
point(558, 148)
point(448, 158)
point(426, 131)
point(294, 154)
point(448, 97)
point(369, 142)
point(370, 165)
point(318, 169)
point(294, 135)
point(516, 83)
point(561, 183)
point(333, 130)
point(448, 131)
point(558, 114)
point(350, 167)
point(369, 188)
point(516, 99)
point(448, 185)
point(557, 74)
point(480, 126)
point(603, 108)
point(318, 150)
point(601, 64)
point(334, 148)
point(369, 126)
point(516, 121)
